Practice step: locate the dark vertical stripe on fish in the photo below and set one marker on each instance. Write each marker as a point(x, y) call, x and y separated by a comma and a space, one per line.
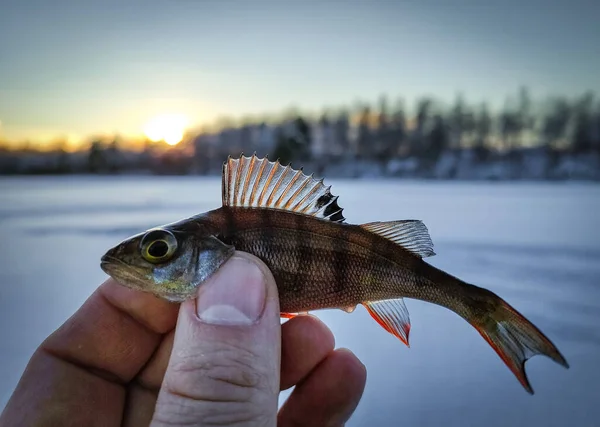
point(305, 257)
point(230, 227)
point(267, 230)
point(340, 262)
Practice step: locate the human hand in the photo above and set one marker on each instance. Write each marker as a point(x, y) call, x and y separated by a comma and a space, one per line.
point(119, 362)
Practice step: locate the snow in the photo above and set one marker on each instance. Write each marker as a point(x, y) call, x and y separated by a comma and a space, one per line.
point(536, 245)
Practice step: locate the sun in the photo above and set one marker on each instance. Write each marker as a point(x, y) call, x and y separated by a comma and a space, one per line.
point(167, 127)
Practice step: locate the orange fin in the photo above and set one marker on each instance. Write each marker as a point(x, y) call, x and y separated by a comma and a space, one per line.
point(515, 339)
point(411, 234)
point(292, 315)
point(348, 309)
point(251, 182)
point(392, 315)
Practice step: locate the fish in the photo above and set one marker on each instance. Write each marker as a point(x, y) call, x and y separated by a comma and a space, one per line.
point(295, 225)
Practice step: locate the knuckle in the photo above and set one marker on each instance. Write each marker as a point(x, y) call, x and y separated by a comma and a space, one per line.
point(227, 366)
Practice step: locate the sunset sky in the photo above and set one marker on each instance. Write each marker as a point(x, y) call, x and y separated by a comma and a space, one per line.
point(78, 67)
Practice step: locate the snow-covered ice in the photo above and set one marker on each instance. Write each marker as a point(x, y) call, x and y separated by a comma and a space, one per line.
point(536, 245)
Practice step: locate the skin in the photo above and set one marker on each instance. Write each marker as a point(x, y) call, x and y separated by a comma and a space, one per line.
point(106, 365)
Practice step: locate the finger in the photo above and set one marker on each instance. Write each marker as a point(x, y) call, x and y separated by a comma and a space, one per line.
point(139, 407)
point(329, 395)
point(143, 390)
point(115, 332)
point(151, 377)
point(76, 376)
point(224, 367)
point(305, 342)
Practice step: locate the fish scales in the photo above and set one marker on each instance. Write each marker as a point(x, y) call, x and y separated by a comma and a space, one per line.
point(298, 250)
point(294, 224)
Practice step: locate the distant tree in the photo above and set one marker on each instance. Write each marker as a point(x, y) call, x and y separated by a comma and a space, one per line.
point(63, 158)
point(304, 135)
point(596, 129)
point(113, 157)
point(457, 122)
point(285, 148)
point(293, 145)
point(364, 133)
point(509, 128)
point(423, 119)
point(382, 120)
point(423, 111)
point(63, 164)
point(582, 133)
point(342, 126)
point(438, 139)
point(246, 138)
point(516, 121)
point(383, 149)
point(483, 129)
point(324, 119)
point(96, 158)
point(398, 127)
point(525, 121)
point(555, 123)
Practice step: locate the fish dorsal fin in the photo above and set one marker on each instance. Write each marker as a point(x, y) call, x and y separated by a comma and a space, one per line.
point(392, 315)
point(411, 234)
point(252, 182)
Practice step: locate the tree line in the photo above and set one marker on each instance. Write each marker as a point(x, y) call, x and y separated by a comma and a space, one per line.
point(378, 131)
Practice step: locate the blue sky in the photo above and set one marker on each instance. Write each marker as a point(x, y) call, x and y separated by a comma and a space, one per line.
point(77, 67)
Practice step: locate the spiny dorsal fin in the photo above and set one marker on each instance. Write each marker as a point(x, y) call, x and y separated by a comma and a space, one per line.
point(392, 315)
point(253, 182)
point(411, 234)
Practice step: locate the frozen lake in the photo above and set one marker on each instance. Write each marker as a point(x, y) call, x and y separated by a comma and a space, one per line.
point(536, 245)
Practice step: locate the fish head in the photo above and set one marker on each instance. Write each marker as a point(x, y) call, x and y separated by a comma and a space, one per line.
point(170, 262)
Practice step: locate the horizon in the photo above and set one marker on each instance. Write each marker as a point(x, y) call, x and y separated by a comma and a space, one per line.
point(130, 64)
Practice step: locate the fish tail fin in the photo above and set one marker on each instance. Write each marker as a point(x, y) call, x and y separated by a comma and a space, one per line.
point(510, 334)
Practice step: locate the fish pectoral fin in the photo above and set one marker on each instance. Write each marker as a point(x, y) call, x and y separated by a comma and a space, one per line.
point(392, 315)
point(252, 182)
point(411, 234)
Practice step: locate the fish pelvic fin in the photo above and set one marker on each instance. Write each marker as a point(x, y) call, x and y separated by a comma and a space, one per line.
point(253, 182)
point(514, 338)
point(392, 315)
point(292, 315)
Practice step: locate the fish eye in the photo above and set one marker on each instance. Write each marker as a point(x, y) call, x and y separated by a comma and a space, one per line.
point(158, 246)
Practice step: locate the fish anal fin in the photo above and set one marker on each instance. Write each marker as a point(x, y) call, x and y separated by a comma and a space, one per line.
point(392, 315)
point(253, 182)
point(411, 234)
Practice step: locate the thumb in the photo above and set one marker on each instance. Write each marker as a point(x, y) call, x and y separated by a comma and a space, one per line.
point(224, 367)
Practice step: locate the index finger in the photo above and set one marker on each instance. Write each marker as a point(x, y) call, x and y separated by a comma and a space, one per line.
point(76, 375)
point(115, 332)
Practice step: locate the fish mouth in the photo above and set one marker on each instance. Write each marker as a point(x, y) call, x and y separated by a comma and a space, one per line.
point(120, 270)
point(107, 263)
